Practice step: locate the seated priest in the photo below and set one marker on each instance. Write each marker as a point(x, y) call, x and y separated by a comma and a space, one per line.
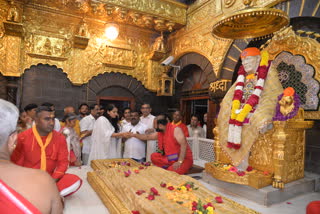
point(43, 148)
point(22, 190)
point(248, 107)
point(175, 154)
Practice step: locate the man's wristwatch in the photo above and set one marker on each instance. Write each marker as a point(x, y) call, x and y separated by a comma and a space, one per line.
point(180, 162)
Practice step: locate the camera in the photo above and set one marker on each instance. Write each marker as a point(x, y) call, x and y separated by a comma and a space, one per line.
point(167, 61)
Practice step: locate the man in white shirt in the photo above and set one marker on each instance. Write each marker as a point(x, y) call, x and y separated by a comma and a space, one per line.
point(194, 129)
point(135, 148)
point(86, 127)
point(147, 118)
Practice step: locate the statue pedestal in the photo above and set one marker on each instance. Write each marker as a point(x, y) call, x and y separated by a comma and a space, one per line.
point(268, 195)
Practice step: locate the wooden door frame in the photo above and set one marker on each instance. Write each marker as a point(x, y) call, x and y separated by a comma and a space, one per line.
point(211, 110)
point(130, 99)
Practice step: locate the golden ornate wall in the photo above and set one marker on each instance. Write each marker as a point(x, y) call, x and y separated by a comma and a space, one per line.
point(70, 35)
point(196, 36)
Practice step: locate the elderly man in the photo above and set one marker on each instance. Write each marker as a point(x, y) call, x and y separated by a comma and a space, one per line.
point(22, 190)
point(176, 154)
point(43, 148)
point(135, 148)
point(147, 118)
point(86, 127)
point(177, 120)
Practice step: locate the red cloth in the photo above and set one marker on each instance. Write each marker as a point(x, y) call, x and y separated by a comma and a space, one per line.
point(184, 129)
point(313, 207)
point(69, 184)
point(28, 153)
point(171, 148)
point(12, 202)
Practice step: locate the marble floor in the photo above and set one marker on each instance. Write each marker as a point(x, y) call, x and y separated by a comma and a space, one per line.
point(87, 201)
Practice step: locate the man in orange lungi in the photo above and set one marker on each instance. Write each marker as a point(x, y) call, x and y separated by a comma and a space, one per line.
point(176, 154)
point(177, 120)
point(43, 148)
point(22, 190)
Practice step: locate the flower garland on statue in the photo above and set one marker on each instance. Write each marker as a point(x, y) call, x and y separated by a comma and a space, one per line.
point(239, 115)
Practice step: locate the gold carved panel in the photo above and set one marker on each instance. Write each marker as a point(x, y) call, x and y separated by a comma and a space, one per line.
point(119, 57)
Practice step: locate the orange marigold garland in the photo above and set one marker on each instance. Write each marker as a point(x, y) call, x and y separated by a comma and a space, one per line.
point(239, 115)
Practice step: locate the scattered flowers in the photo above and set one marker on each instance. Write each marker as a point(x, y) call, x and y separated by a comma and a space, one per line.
point(219, 199)
point(188, 186)
point(241, 173)
point(146, 163)
point(233, 169)
point(141, 167)
point(289, 202)
point(135, 212)
point(162, 184)
point(200, 208)
point(170, 188)
point(140, 192)
point(249, 168)
point(136, 171)
point(154, 191)
point(127, 173)
point(150, 197)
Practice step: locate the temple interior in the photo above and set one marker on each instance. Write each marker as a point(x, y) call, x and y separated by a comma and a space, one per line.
point(176, 55)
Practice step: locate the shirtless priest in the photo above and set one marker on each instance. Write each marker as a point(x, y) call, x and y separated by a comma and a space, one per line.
point(40, 147)
point(22, 190)
point(176, 154)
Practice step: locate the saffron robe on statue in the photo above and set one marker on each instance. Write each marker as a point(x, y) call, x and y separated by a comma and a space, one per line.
point(171, 148)
point(28, 154)
point(12, 202)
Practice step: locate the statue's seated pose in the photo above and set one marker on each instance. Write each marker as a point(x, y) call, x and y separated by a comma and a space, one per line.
point(248, 107)
point(257, 127)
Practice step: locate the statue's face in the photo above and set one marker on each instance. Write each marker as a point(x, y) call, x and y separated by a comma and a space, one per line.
point(251, 63)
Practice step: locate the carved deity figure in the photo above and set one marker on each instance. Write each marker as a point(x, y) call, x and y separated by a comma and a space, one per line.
point(83, 29)
point(158, 44)
point(13, 13)
point(286, 104)
point(249, 106)
point(47, 48)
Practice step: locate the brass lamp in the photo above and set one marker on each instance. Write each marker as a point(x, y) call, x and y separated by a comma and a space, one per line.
point(251, 22)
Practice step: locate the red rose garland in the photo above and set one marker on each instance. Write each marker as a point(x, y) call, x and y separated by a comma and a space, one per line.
point(239, 115)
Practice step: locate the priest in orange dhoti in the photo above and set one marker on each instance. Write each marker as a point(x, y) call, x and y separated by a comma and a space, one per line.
point(176, 154)
point(22, 190)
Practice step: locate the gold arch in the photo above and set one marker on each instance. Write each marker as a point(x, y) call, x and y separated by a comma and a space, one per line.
point(288, 40)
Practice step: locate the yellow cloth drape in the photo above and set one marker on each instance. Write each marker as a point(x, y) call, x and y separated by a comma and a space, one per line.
point(43, 147)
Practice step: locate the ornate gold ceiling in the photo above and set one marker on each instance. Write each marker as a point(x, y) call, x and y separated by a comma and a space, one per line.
point(159, 15)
